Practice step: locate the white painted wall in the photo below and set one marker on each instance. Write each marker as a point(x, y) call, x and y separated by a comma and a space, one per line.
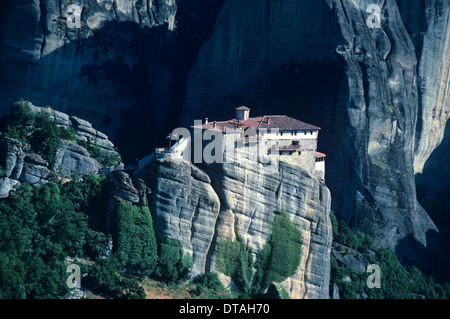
point(320, 169)
point(300, 135)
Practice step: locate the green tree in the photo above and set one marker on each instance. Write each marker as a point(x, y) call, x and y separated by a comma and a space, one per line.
point(131, 289)
point(94, 150)
point(235, 259)
point(209, 280)
point(21, 121)
point(103, 277)
point(280, 257)
point(45, 137)
point(173, 265)
point(134, 237)
point(37, 129)
point(32, 264)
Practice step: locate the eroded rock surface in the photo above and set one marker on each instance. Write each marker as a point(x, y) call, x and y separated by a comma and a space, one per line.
point(202, 206)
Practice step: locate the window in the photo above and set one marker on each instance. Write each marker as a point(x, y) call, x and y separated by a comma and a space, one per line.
point(295, 143)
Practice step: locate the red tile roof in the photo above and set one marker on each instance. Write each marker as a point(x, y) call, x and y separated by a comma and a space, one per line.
point(243, 108)
point(281, 122)
point(319, 155)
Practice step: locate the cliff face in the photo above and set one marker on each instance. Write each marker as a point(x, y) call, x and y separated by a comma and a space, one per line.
point(125, 66)
point(372, 90)
point(107, 71)
point(379, 94)
point(200, 207)
point(430, 33)
point(22, 164)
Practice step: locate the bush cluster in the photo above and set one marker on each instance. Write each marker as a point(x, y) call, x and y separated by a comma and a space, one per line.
point(137, 249)
point(210, 282)
point(134, 238)
point(40, 227)
point(278, 259)
point(37, 129)
point(397, 282)
point(281, 254)
point(343, 234)
point(235, 259)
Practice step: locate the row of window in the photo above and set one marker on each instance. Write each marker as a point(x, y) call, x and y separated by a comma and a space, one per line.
point(295, 132)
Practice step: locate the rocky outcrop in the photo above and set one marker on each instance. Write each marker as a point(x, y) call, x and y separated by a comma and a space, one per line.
point(73, 159)
point(35, 170)
point(184, 206)
point(349, 257)
point(7, 185)
point(124, 188)
point(106, 71)
point(13, 154)
point(200, 206)
point(22, 164)
point(322, 62)
point(430, 32)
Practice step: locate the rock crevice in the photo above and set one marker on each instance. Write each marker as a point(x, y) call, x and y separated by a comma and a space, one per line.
point(232, 199)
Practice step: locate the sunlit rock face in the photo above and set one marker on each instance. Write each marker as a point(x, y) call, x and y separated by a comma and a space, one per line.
point(200, 206)
point(114, 70)
point(372, 87)
point(137, 69)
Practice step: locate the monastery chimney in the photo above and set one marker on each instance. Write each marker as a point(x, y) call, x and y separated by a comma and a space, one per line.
point(242, 113)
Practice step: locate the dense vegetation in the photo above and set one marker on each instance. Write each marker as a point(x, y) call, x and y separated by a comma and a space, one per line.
point(105, 158)
point(397, 282)
point(39, 228)
point(135, 238)
point(173, 265)
point(280, 256)
point(44, 228)
point(43, 134)
point(235, 259)
point(278, 259)
point(36, 129)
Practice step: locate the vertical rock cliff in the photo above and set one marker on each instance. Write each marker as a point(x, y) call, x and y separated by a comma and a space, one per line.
point(381, 101)
point(429, 26)
point(104, 71)
point(137, 69)
point(124, 67)
point(23, 164)
point(202, 206)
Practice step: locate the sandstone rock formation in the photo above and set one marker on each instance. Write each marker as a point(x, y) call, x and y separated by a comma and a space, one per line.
point(23, 164)
point(125, 188)
point(184, 206)
point(380, 95)
point(74, 159)
point(105, 71)
point(202, 206)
